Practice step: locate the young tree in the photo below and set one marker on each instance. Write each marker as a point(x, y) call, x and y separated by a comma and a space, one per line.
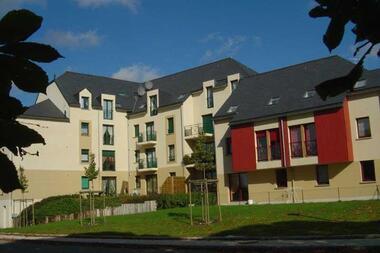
point(17, 67)
point(91, 172)
point(203, 155)
point(23, 180)
point(365, 16)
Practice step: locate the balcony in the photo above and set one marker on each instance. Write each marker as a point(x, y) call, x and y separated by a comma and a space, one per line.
point(194, 131)
point(147, 139)
point(148, 165)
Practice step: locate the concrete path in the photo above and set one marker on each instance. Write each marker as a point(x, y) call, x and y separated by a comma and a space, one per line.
point(369, 242)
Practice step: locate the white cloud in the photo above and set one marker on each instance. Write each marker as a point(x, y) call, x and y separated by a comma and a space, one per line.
point(225, 46)
point(73, 40)
point(137, 73)
point(7, 5)
point(130, 4)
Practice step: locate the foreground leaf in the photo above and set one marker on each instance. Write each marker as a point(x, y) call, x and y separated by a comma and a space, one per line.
point(18, 25)
point(11, 108)
point(8, 175)
point(25, 74)
point(32, 51)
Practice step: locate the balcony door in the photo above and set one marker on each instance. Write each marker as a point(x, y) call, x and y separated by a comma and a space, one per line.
point(151, 161)
point(151, 184)
point(150, 131)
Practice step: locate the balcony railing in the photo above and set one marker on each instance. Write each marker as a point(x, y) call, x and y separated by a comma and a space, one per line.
point(196, 130)
point(149, 136)
point(296, 149)
point(147, 164)
point(311, 148)
point(275, 151)
point(262, 153)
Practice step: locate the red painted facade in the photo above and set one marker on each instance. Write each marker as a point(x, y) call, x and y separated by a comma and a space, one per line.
point(243, 148)
point(333, 135)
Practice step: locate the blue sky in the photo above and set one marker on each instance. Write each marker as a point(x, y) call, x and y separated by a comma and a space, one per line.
point(143, 39)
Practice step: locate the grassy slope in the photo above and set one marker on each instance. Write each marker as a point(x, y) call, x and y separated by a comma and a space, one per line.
point(356, 217)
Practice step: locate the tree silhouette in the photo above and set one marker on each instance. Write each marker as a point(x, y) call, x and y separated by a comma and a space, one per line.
point(17, 66)
point(365, 16)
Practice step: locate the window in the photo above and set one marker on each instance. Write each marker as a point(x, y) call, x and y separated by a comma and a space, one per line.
point(151, 184)
point(150, 133)
point(137, 156)
point(368, 171)
point(310, 139)
point(296, 141)
point(171, 152)
point(151, 161)
point(363, 126)
point(137, 131)
point(109, 185)
point(85, 155)
point(172, 174)
point(84, 129)
point(210, 97)
point(85, 183)
point(108, 135)
point(238, 184)
point(228, 146)
point(108, 159)
point(84, 103)
point(170, 125)
point(322, 175)
point(274, 100)
point(309, 94)
point(153, 105)
point(234, 84)
point(262, 147)
point(232, 109)
point(207, 124)
point(275, 150)
point(107, 109)
point(138, 182)
point(281, 178)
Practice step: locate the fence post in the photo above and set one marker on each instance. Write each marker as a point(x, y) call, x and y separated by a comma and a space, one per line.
point(377, 191)
point(268, 197)
point(303, 200)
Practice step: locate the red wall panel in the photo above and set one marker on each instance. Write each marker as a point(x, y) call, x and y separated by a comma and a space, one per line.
point(284, 133)
point(243, 148)
point(333, 136)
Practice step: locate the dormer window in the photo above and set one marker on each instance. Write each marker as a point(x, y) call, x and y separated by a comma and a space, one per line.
point(234, 85)
point(84, 103)
point(309, 94)
point(107, 109)
point(274, 100)
point(153, 105)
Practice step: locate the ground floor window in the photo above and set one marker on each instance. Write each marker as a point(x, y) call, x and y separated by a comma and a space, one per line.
point(368, 171)
point(151, 184)
point(281, 178)
point(238, 186)
point(138, 182)
point(109, 185)
point(322, 173)
point(85, 183)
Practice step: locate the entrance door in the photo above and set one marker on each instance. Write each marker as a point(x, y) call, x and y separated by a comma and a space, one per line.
point(238, 186)
point(151, 184)
point(207, 124)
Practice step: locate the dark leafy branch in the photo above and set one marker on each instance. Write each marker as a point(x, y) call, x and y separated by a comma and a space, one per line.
point(17, 67)
point(365, 17)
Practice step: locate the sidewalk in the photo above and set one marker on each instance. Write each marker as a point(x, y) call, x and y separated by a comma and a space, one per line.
point(367, 242)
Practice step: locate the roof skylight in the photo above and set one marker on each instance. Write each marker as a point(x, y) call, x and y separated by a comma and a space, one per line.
point(360, 84)
point(181, 96)
point(274, 100)
point(309, 94)
point(232, 109)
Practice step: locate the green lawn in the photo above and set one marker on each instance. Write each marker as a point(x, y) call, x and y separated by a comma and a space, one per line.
point(340, 218)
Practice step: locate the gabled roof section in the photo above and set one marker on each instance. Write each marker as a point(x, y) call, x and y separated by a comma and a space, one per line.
point(71, 83)
point(289, 84)
point(177, 87)
point(44, 110)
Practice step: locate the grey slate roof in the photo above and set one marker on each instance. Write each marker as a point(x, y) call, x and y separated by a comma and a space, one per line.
point(177, 87)
point(71, 83)
point(44, 110)
point(289, 84)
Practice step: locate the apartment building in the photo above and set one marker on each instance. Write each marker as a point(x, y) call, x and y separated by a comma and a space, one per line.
point(277, 141)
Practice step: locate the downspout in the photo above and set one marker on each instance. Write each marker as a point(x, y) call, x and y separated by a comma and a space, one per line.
point(182, 139)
